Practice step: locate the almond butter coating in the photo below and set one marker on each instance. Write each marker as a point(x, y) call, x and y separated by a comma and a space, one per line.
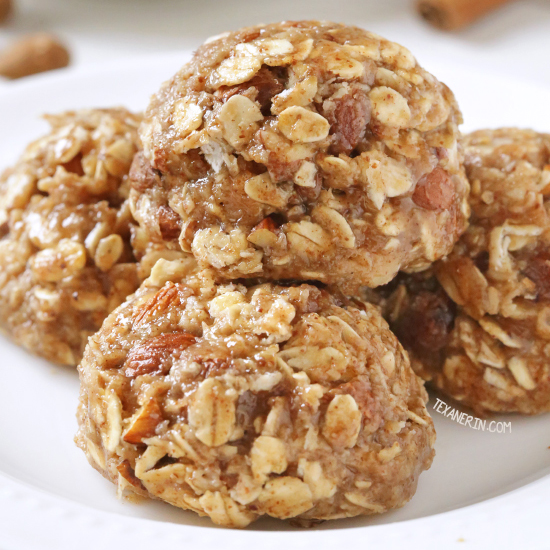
point(331, 139)
point(238, 401)
point(477, 325)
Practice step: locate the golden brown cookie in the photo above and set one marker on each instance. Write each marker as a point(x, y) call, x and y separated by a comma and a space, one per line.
point(478, 325)
point(306, 151)
point(65, 254)
point(237, 401)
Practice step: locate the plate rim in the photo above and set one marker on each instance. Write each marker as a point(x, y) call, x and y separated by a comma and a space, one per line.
point(524, 505)
point(19, 499)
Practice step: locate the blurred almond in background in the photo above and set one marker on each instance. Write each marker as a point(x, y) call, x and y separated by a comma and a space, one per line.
point(33, 54)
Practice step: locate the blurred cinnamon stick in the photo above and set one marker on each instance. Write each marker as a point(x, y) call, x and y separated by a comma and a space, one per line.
point(6, 8)
point(455, 14)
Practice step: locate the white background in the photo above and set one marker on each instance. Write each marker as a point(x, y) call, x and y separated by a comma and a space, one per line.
point(514, 41)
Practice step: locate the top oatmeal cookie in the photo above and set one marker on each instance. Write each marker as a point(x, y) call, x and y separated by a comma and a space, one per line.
point(303, 150)
point(65, 226)
point(478, 324)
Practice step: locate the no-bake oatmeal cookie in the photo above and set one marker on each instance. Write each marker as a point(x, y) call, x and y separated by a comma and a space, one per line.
point(478, 325)
point(303, 150)
point(241, 400)
point(65, 254)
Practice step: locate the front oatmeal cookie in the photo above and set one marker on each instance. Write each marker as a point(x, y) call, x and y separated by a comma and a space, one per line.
point(303, 150)
point(479, 326)
point(238, 401)
point(65, 255)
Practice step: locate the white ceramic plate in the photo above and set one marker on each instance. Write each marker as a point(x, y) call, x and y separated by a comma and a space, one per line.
point(485, 489)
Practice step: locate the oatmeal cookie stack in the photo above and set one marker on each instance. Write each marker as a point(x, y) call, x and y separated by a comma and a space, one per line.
point(236, 383)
